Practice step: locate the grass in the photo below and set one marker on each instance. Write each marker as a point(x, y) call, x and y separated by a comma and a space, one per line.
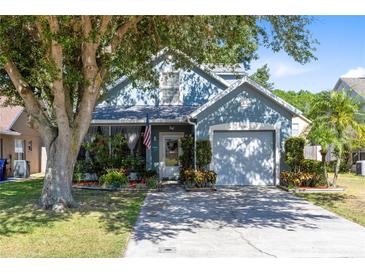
point(100, 227)
point(349, 204)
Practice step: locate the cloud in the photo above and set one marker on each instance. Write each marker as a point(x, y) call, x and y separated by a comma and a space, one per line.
point(355, 73)
point(283, 69)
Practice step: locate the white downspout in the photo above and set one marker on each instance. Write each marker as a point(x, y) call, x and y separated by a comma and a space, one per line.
point(194, 124)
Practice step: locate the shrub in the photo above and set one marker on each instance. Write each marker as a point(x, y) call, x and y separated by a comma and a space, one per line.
point(211, 176)
point(198, 178)
point(294, 152)
point(187, 175)
point(332, 164)
point(203, 153)
point(187, 147)
point(301, 179)
point(151, 183)
point(103, 157)
point(114, 179)
point(149, 173)
point(311, 166)
point(132, 164)
point(141, 186)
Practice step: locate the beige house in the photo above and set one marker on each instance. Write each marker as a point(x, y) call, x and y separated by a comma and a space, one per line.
point(17, 140)
point(300, 126)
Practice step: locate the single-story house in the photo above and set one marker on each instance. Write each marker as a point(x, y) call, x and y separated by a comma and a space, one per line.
point(245, 123)
point(356, 87)
point(17, 140)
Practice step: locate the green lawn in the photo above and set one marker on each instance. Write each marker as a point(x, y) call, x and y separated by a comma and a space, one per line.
point(100, 227)
point(349, 204)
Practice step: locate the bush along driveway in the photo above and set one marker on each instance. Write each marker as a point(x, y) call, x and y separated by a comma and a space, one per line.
point(350, 204)
point(241, 222)
point(100, 227)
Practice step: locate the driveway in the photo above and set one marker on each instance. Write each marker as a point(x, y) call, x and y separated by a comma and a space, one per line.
point(242, 222)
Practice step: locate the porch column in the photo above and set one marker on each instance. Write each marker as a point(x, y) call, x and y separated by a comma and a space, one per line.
point(110, 140)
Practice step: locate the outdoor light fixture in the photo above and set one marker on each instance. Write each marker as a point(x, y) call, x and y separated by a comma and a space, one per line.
point(245, 103)
point(171, 128)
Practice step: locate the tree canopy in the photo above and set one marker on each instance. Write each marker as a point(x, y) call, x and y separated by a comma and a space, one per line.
point(302, 99)
point(262, 77)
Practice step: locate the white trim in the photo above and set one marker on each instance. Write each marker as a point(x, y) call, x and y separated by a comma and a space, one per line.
point(161, 148)
point(241, 126)
point(181, 120)
point(253, 84)
point(16, 118)
point(305, 119)
point(10, 133)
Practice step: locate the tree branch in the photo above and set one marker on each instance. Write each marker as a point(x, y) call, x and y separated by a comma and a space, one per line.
point(32, 105)
point(122, 30)
point(105, 20)
point(59, 102)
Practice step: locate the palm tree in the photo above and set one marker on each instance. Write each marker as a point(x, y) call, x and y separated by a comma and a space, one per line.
point(338, 111)
point(321, 134)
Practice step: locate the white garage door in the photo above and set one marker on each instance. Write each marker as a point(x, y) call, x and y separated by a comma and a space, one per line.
point(244, 157)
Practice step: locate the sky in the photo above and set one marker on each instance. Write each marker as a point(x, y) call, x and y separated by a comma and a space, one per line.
point(341, 52)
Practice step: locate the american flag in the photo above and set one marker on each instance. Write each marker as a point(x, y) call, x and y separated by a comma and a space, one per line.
point(147, 134)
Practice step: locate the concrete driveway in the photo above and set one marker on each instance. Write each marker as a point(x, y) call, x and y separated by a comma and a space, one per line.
point(244, 222)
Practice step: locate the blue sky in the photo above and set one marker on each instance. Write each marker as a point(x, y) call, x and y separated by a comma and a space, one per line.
point(341, 51)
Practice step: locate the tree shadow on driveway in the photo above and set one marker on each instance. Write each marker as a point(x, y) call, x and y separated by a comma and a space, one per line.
point(174, 211)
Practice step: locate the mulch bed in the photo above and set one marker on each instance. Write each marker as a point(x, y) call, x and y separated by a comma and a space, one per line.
point(318, 189)
point(90, 185)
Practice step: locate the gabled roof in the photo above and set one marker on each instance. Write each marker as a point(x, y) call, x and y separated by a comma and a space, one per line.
point(355, 84)
point(257, 87)
point(137, 114)
point(8, 115)
point(202, 69)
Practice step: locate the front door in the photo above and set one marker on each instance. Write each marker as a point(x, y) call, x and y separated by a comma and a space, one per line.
point(170, 151)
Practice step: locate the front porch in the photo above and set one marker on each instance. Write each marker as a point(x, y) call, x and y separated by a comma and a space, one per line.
point(163, 157)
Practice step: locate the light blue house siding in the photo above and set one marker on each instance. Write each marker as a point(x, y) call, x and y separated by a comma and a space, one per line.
point(246, 105)
point(196, 87)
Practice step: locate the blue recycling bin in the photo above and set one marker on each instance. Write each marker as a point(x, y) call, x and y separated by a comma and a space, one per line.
point(2, 169)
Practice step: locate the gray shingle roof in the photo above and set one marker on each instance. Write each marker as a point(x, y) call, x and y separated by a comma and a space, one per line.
point(137, 114)
point(357, 84)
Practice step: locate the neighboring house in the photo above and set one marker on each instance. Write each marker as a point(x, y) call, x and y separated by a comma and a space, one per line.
point(246, 124)
point(356, 86)
point(300, 126)
point(17, 140)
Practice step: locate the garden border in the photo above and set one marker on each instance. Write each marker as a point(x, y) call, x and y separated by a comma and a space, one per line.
point(116, 189)
point(311, 190)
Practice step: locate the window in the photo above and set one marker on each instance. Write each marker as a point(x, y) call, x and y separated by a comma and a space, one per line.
point(1, 149)
point(19, 149)
point(295, 129)
point(170, 88)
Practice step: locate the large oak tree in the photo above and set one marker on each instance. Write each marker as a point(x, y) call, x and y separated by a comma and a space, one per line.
point(58, 67)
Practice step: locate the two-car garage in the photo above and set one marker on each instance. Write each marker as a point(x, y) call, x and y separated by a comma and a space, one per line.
point(244, 157)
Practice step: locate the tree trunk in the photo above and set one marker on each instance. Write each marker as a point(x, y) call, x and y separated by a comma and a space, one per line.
point(337, 169)
point(56, 193)
point(325, 175)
